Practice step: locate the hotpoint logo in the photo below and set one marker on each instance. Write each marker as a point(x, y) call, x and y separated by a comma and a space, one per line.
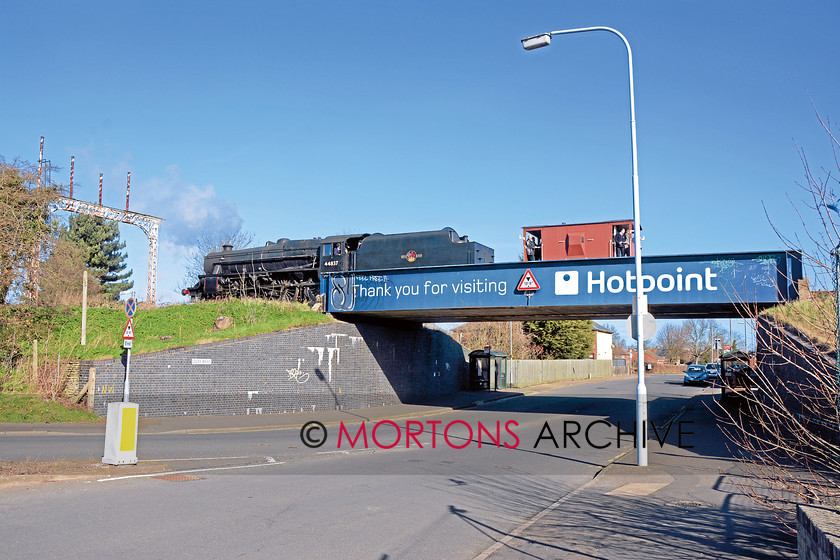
point(567, 282)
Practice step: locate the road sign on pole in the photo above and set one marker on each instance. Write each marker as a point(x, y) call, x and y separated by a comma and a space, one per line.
point(128, 333)
point(130, 307)
point(128, 337)
point(528, 282)
point(648, 325)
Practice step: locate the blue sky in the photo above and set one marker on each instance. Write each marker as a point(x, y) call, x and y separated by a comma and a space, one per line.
point(302, 119)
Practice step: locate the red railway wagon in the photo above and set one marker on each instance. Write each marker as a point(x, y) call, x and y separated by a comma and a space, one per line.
point(578, 241)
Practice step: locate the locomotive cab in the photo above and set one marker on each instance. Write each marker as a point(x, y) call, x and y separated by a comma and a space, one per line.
point(338, 254)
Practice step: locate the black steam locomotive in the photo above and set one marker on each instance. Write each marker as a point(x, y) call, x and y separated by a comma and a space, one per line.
point(290, 270)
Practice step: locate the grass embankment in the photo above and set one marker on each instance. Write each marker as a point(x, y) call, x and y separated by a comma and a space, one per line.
point(58, 335)
point(816, 318)
point(58, 331)
point(26, 408)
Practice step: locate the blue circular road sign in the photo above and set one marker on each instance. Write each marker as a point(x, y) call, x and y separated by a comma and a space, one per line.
point(130, 307)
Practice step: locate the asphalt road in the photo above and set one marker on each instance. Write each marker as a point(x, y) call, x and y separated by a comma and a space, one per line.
point(442, 492)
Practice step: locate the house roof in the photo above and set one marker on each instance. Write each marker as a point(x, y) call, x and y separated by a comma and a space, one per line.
point(600, 328)
point(650, 356)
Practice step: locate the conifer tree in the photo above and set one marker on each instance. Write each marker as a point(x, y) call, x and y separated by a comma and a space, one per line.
point(101, 240)
point(562, 340)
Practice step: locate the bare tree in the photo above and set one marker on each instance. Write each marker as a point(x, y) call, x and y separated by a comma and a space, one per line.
point(209, 242)
point(500, 336)
point(672, 343)
point(24, 225)
point(619, 345)
point(699, 336)
point(786, 421)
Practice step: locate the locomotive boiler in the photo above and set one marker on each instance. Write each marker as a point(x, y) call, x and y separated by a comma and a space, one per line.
point(290, 269)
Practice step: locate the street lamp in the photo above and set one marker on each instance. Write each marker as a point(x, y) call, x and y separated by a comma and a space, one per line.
point(836, 254)
point(543, 40)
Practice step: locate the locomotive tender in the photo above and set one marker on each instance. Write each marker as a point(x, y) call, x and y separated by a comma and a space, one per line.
point(291, 269)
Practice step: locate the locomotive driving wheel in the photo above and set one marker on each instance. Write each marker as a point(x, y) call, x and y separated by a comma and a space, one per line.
point(280, 290)
point(237, 288)
point(309, 294)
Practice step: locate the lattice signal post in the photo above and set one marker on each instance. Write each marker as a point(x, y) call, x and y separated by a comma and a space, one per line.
point(149, 225)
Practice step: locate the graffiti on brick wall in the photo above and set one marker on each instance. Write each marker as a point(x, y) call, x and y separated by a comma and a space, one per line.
point(283, 372)
point(297, 374)
point(332, 352)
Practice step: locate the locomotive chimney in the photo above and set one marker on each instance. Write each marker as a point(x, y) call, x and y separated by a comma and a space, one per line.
point(226, 248)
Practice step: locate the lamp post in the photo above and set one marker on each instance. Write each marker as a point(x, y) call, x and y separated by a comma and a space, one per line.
point(543, 40)
point(836, 254)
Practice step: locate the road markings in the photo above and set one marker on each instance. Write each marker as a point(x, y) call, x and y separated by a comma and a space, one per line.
point(194, 459)
point(150, 475)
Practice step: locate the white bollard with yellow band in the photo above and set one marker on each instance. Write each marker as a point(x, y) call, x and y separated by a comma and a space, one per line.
point(121, 434)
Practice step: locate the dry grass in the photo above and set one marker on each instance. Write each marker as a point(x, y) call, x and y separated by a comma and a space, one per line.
point(816, 318)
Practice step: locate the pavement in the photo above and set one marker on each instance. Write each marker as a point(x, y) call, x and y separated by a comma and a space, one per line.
point(255, 422)
point(687, 503)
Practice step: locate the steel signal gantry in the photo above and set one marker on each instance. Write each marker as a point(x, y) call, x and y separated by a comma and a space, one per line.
point(149, 225)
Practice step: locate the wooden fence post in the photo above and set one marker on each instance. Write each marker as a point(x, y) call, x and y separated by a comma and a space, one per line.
point(35, 361)
point(91, 387)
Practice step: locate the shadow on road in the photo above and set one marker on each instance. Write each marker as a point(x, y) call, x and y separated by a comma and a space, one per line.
point(702, 513)
point(591, 524)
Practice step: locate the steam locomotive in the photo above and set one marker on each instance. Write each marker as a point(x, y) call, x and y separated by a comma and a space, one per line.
point(290, 269)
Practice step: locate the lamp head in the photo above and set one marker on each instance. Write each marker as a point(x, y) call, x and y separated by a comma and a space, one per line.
point(537, 41)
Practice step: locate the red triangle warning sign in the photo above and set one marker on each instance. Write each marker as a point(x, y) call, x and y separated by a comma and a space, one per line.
point(528, 282)
point(128, 333)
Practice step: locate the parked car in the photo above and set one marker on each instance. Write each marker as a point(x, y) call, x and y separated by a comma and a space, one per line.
point(696, 374)
point(713, 371)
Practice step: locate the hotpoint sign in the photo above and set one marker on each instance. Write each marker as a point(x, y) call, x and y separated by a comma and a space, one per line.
point(568, 282)
point(700, 279)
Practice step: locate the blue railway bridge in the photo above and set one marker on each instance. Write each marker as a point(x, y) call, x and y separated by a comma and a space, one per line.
point(684, 286)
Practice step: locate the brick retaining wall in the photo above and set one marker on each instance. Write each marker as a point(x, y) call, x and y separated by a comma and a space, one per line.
point(793, 367)
point(817, 533)
point(324, 367)
point(796, 370)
